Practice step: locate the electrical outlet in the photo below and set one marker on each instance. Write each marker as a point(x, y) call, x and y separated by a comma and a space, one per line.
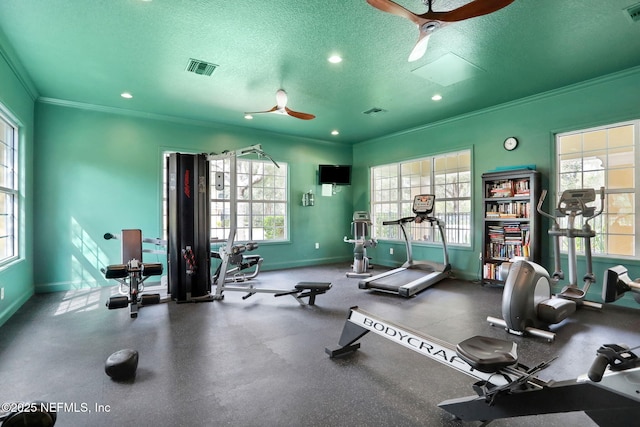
point(317, 245)
point(390, 251)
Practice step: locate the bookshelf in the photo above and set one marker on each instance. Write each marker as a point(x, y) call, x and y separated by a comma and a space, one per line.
point(511, 225)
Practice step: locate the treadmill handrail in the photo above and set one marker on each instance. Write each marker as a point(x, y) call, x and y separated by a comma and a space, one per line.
point(400, 221)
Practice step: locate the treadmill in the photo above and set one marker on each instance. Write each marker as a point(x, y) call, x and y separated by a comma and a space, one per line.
point(413, 276)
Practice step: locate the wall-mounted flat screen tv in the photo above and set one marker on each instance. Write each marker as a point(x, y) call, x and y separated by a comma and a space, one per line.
point(334, 174)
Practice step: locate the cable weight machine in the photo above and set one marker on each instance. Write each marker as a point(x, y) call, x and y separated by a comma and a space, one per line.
point(233, 254)
point(188, 246)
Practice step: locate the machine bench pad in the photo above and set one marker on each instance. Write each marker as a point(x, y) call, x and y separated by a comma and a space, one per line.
point(487, 354)
point(313, 286)
point(116, 271)
point(307, 289)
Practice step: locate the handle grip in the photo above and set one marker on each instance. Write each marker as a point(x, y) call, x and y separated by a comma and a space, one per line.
point(597, 368)
point(400, 221)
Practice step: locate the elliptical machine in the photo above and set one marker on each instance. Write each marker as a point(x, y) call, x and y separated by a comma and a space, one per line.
point(573, 203)
point(527, 303)
point(361, 241)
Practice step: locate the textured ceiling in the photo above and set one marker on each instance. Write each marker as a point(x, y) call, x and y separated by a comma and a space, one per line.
point(88, 52)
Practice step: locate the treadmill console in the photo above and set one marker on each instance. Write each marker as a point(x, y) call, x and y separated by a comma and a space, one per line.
point(361, 216)
point(423, 204)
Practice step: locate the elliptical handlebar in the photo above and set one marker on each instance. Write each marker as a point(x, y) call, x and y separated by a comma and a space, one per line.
point(543, 196)
point(598, 212)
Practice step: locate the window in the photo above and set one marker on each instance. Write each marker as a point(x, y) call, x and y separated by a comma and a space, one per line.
point(448, 176)
point(9, 196)
point(604, 157)
point(261, 200)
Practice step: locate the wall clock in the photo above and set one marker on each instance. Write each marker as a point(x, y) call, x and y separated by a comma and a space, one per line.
point(510, 143)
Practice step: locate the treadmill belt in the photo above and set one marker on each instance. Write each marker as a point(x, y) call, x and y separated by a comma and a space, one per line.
point(393, 282)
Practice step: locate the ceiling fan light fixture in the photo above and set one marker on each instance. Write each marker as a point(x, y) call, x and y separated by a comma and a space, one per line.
point(430, 27)
point(419, 49)
point(430, 21)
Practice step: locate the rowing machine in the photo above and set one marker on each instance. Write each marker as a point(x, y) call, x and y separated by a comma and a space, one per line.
point(507, 388)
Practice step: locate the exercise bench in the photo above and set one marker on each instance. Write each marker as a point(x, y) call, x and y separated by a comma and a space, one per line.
point(307, 289)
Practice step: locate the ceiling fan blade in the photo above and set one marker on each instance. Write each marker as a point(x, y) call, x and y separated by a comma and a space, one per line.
point(281, 108)
point(420, 48)
point(469, 10)
point(275, 108)
point(395, 9)
point(298, 115)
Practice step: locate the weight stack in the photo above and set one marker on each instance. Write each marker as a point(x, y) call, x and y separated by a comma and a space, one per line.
point(189, 250)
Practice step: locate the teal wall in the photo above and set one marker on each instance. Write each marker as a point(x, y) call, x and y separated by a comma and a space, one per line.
point(95, 170)
point(16, 96)
point(534, 121)
point(98, 171)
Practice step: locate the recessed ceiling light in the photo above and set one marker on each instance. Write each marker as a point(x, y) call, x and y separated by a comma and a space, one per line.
point(335, 59)
point(248, 116)
point(126, 95)
point(335, 132)
point(436, 97)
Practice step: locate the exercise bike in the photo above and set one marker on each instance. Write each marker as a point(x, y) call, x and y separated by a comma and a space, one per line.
point(360, 230)
point(527, 302)
point(609, 394)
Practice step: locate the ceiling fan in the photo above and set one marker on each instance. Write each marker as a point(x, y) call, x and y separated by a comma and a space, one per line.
point(281, 108)
point(431, 21)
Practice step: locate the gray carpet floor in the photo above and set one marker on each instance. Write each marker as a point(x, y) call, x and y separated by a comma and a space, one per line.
point(261, 361)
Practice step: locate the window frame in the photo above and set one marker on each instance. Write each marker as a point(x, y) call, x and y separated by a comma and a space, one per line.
point(439, 178)
point(602, 243)
point(225, 199)
point(251, 202)
point(12, 188)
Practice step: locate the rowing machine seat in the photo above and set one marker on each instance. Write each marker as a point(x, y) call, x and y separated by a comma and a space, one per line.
point(487, 354)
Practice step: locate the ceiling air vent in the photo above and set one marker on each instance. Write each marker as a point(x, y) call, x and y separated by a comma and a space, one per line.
point(634, 12)
point(200, 67)
point(374, 110)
